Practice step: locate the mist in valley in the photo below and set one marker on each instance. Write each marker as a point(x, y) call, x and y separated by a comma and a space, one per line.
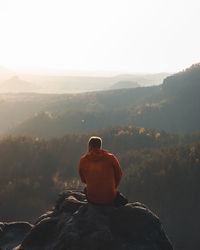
point(53, 83)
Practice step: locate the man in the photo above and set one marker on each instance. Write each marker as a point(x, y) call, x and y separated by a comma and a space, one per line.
point(101, 173)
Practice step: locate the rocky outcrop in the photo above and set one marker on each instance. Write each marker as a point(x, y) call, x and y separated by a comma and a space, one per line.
point(13, 233)
point(75, 224)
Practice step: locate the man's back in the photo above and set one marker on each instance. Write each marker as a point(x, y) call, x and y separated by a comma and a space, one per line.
point(101, 173)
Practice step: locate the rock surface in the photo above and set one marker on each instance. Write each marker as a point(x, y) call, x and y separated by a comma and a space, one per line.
point(75, 224)
point(13, 233)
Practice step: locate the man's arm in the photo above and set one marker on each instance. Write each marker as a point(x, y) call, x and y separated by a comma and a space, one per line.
point(117, 171)
point(80, 169)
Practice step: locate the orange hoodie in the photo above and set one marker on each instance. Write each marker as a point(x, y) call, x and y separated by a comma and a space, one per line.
point(101, 173)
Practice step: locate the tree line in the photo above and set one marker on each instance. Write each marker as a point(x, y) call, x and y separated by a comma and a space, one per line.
point(160, 169)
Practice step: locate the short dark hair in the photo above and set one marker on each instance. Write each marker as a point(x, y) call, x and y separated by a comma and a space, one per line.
point(95, 142)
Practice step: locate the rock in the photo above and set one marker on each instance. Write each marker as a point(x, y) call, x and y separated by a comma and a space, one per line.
point(13, 233)
point(75, 224)
point(42, 234)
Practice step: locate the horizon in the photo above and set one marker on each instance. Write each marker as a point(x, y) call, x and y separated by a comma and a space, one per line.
point(73, 72)
point(82, 73)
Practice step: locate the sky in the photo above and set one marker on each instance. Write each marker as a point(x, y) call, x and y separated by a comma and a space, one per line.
point(108, 35)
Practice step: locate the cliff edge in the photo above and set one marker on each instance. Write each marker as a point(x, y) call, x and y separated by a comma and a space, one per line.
point(75, 224)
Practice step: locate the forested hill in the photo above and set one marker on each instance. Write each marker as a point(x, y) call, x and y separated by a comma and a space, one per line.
point(160, 169)
point(183, 83)
point(173, 106)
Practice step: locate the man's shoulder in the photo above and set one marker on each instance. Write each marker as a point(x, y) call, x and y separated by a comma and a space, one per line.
point(111, 156)
point(84, 158)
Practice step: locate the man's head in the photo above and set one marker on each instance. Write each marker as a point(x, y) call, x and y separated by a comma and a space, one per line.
point(94, 142)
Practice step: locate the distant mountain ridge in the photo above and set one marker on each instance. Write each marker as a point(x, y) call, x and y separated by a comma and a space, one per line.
point(125, 85)
point(173, 106)
point(5, 73)
point(17, 85)
point(60, 84)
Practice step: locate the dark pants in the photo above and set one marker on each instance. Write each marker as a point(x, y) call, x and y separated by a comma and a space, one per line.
point(120, 199)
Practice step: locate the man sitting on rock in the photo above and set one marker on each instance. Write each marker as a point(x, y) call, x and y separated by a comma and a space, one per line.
point(101, 173)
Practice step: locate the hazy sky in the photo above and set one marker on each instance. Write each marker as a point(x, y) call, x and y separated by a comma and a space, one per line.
point(116, 35)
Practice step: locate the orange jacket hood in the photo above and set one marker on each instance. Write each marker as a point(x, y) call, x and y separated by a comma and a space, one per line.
point(96, 154)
